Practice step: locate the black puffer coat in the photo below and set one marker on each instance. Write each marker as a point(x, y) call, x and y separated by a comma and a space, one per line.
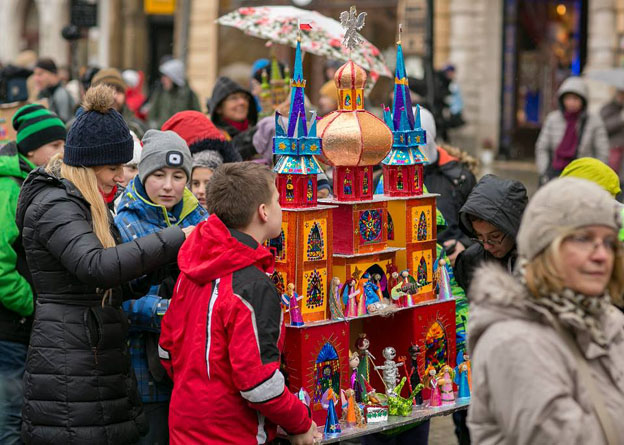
point(79, 387)
point(500, 202)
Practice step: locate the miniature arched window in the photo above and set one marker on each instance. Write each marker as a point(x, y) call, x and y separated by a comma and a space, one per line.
point(278, 280)
point(316, 245)
point(277, 246)
point(416, 179)
point(365, 183)
point(326, 372)
point(422, 227)
point(310, 191)
point(436, 347)
point(390, 228)
point(290, 189)
point(399, 182)
point(315, 291)
point(421, 275)
point(347, 183)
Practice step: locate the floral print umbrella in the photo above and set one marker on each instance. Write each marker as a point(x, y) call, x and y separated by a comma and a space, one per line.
point(279, 24)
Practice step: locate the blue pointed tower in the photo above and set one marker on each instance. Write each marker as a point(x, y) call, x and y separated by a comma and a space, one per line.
point(297, 145)
point(403, 167)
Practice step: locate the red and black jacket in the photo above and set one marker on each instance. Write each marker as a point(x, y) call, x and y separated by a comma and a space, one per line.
point(221, 341)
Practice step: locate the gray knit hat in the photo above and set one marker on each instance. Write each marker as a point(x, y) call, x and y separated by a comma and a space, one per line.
point(207, 159)
point(164, 149)
point(561, 205)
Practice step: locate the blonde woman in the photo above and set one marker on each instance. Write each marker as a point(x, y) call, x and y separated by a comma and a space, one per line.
point(78, 384)
point(548, 344)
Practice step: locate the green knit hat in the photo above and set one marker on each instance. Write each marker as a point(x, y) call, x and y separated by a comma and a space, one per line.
point(36, 126)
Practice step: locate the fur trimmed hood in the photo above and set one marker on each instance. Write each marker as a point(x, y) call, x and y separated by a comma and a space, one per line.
point(495, 296)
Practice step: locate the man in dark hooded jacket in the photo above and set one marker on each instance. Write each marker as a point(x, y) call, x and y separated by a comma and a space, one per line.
point(491, 215)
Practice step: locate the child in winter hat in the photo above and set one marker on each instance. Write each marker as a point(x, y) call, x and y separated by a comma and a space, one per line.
point(36, 127)
point(204, 164)
point(164, 149)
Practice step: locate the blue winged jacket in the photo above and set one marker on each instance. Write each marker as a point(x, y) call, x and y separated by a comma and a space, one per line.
point(136, 217)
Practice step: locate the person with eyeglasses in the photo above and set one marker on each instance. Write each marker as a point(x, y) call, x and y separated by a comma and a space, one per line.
point(546, 342)
point(491, 217)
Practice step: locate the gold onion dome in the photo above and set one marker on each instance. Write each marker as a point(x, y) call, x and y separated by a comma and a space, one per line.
point(351, 135)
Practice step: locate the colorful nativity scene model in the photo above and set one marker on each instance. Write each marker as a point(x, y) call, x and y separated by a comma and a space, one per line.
point(357, 271)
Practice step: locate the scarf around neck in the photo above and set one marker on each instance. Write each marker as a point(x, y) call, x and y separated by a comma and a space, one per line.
point(575, 311)
point(240, 126)
point(566, 151)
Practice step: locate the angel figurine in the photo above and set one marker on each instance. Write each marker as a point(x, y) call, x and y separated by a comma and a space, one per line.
point(431, 382)
point(443, 281)
point(349, 297)
point(296, 319)
point(362, 344)
point(328, 401)
point(354, 363)
point(463, 378)
point(445, 381)
point(335, 306)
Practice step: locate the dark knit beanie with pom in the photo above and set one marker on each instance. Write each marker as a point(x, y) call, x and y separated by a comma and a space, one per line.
point(99, 136)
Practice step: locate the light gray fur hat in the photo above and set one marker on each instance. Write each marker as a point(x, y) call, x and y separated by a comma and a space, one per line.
point(207, 159)
point(562, 205)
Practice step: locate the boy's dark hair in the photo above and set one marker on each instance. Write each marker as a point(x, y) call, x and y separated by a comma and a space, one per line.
point(236, 190)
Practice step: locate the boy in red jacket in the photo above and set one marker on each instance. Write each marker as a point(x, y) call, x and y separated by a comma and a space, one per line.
point(223, 334)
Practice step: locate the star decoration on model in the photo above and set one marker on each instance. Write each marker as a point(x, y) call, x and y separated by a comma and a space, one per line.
point(352, 22)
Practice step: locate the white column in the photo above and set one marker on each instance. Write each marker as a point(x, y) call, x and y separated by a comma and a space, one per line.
point(53, 16)
point(10, 20)
point(475, 49)
point(101, 35)
point(601, 47)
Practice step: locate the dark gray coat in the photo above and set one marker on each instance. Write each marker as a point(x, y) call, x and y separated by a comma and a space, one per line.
point(79, 387)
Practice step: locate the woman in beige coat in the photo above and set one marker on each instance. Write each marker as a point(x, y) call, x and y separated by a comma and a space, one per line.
point(548, 343)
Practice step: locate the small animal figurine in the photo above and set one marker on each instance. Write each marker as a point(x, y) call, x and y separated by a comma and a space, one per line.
point(349, 298)
point(335, 307)
point(413, 352)
point(296, 319)
point(445, 382)
point(463, 378)
point(356, 386)
point(390, 371)
point(431, 382)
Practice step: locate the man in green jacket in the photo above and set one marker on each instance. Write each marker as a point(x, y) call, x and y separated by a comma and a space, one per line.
point(40, 135)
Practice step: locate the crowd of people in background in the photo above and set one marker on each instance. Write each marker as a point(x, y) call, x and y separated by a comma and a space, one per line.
point(105, 181)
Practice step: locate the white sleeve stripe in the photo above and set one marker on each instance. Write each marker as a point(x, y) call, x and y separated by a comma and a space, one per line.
point(253, 320)
point(163, 353)
point(267, 390)
point(213, 299)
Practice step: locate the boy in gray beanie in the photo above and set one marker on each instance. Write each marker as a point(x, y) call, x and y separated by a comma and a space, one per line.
point(164, 149)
